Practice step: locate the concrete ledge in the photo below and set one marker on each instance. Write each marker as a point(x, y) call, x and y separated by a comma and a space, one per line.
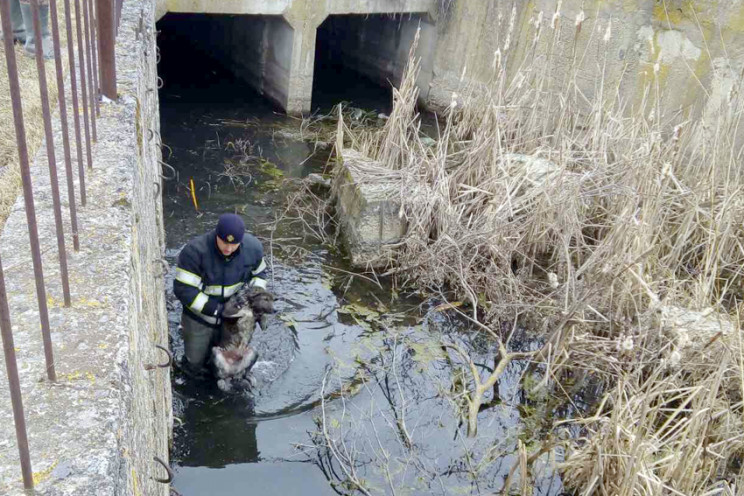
point(368, 211)
point(96, 430)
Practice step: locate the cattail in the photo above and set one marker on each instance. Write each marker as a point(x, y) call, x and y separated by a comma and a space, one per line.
point(512, 21)
point(625, 344)
point(580, 17)
point(497, 59)
point(677, 132)
point(556, 15)
point(674, 358)
point(608, 32)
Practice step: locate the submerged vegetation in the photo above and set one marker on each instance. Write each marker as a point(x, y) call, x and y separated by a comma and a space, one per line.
point(610, 228)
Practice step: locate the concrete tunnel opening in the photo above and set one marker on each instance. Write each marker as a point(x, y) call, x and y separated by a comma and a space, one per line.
point(353, 58)
point(255, 49)
point(355, 50)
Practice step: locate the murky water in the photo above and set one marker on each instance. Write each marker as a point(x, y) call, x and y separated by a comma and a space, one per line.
point(354, 384)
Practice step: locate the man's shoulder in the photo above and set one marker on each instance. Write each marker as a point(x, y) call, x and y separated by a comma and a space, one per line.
point(199, 244)
point(252, 246)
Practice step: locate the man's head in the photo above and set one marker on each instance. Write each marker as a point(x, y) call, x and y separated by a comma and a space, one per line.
point(230, 230)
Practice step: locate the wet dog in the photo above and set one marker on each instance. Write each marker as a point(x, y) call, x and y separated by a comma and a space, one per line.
point(233, 356)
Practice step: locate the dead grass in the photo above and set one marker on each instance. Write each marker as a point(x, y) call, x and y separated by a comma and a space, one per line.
point(545, 203)
point(10, 177)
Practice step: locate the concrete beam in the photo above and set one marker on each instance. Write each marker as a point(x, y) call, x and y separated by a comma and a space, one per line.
point(250, 7)
point(279, 7)
point(339, 7)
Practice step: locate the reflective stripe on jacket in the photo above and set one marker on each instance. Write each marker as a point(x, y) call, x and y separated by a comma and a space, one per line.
point(205, 278)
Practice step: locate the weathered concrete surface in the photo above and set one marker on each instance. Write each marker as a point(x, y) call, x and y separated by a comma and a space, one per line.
point(285, 61)
point(96, 430)
point(368, 212)
point(691, 49)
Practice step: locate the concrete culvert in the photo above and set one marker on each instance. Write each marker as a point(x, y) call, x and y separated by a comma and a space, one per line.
point(352, 50)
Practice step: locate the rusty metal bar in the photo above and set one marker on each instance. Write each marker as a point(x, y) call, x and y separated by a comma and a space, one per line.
point(63, 119)
point(119, 4)
point(92, 91)
point(75, 104)
point(163, 365)
point(83, 83)
point(11, 366)
point(106, 47)
point(94, 56)
point(168, 470)
point(28, 194)
point(51, 157)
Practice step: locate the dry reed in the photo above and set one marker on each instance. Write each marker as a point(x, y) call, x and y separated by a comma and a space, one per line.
point(542, 201)
point(10, 176)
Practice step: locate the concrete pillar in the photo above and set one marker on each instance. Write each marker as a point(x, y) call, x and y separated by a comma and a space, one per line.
point(303, 62)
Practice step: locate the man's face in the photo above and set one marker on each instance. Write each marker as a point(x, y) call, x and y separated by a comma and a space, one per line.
point(226, 248)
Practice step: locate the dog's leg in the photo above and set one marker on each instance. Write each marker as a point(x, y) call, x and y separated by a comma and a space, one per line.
point(225, 385)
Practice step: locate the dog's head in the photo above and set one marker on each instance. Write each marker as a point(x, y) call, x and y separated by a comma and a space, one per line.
point(262, 303)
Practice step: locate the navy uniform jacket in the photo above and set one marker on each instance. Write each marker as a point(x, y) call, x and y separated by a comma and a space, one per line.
point(205, 278)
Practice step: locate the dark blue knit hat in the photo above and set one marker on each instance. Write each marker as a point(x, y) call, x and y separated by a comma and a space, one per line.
point(230, 228)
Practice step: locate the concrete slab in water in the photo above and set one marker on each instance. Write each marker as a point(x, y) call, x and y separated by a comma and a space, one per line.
point(368, 212)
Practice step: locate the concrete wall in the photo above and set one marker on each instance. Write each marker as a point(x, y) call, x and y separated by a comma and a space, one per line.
point(378, 46)
point(289, 61)
point(279, 46)
point(691, 49)
point(96, 431)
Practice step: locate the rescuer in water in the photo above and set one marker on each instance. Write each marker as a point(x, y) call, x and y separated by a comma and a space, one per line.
point(211, 268)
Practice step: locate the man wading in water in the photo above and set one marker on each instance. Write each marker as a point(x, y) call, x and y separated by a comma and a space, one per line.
point(212, 268)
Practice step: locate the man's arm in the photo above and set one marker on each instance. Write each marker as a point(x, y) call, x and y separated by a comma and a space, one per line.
point(188, 285)
point(259, 273)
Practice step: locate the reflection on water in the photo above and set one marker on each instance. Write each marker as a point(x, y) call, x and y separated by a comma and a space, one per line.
point(378, 360)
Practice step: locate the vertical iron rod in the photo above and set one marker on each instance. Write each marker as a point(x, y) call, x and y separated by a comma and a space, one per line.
point(7, 333)
point(92, 91)
point(118, 13)
point(75, 104)
point(83, 81)
point(11, 365)
point(106, 47)
point(28, 194)
point(94, 57)
point(51, 157)
point(63, 120)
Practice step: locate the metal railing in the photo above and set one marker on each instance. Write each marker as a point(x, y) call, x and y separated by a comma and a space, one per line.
point(92, 73)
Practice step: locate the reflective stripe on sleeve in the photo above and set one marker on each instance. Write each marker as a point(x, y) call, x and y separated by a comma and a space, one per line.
point(231, 290)
point(198, 304)
point(261, 267)
point(257, 282)
point(213, 290)
point(217, 290)
point(188, 278)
